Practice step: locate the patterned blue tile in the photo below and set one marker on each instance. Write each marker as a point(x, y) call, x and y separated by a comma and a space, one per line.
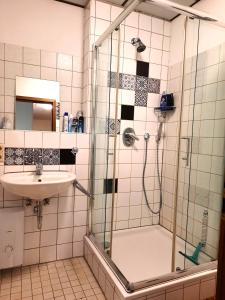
point(128, 82)
point(51, 157)
point(112, 79)
point(154, 85)
point(141, 98)
point(32, 156)
point(142, 84)
point(111, 128)
point(57, 111)
point(14, 156)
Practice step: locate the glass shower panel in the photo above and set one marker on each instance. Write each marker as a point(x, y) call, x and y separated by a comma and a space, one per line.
point(104, 129)
point(204, 175)
point(187, 76)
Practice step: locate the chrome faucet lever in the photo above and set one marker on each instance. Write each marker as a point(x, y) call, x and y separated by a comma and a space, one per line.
point(74, 150)
point(129, 137)
point(132, 135)
point(39, 168)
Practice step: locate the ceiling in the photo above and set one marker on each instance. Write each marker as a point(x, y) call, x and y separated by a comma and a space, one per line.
point(146, 8)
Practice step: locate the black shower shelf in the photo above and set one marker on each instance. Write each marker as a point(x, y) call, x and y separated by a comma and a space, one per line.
point(163, 109)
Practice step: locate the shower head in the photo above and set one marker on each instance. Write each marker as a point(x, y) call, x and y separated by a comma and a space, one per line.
point(139, 44)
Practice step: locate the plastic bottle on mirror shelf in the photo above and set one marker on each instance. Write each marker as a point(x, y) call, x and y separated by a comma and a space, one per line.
point(80, 121)
point(70, 123)
point(66, 122)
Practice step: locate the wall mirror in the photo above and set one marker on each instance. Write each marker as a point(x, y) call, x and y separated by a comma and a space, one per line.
point(36, 104)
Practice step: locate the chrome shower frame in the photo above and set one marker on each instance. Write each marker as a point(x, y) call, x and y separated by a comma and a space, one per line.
point(183, 10)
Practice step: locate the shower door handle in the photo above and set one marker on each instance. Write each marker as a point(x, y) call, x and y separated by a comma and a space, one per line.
point(186, 157)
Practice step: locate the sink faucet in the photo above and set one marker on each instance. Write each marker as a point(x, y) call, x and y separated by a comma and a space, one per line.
point(39, 168)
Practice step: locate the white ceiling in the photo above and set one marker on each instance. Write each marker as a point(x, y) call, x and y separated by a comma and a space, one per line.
point(146, 8)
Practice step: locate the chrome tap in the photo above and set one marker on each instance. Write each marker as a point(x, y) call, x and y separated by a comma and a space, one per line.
point(39, 168)
point(74, 151)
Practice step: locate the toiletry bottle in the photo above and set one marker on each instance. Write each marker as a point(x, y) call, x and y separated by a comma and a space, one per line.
point(65, 122)
point(80, 122)
point(75, 125)
point(70, 123)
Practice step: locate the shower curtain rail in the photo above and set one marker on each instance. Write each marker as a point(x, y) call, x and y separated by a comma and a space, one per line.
point(117, 22)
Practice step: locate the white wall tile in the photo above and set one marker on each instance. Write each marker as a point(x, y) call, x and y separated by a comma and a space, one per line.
point(31, 257)
point(66, 204)
point(64, 251)
point(65, 235)
point(48, 238)
point(13, 53)
point(33, 139)
point(2, 69)
point(65, 219)
point(48, 59)
point(48, 73)
point(67, 140)
point(145, 22)
point(156, 41)
point(31, 240)
point(31, 71)
point(132, 20)
point(2, 51)
point(49, 222)
point(13, 69)
point(47, 254)
point(78, 249)
point(157, 25)
point(80, 218)
point(51, 140)
point(14, 138)
point(103, 10)
point(31, 56)
point(65, 62)
point(79, 233)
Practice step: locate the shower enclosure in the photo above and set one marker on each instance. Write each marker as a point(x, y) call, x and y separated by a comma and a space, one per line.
point(141, 247)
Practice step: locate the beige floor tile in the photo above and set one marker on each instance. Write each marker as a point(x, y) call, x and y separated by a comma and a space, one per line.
point(62, 280)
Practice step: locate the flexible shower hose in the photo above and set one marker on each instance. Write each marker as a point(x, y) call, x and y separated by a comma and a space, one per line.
point(158, 175)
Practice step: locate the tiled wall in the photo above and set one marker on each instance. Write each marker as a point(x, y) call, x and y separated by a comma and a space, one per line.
point(65, 218)
point(143, 77)
point(16, 60)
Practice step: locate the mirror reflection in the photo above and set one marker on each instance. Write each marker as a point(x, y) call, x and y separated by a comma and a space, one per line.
point(37, 104)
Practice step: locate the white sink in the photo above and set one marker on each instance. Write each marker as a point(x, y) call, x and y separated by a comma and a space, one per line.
point(37, 187)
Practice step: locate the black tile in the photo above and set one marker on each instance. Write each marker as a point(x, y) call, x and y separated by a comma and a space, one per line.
point(108, 186)
point(66, 157)
point(127, 112)
point(142, 68)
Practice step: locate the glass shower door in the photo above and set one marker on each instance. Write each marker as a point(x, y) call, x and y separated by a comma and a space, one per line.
point(202, 145)
point(104, 132)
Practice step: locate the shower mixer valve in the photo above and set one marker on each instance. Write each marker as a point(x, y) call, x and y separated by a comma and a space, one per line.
point(129, 137)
